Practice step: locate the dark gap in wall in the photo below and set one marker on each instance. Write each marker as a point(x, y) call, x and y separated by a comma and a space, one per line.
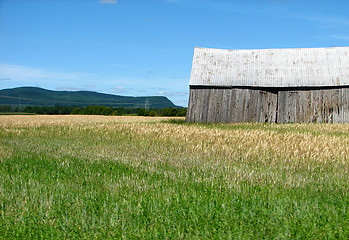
point(277, 108)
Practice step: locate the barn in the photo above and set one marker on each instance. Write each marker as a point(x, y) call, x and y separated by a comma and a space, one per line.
point(269, 85)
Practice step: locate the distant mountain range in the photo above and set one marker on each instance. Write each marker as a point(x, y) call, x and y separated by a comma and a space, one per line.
point(34, 96)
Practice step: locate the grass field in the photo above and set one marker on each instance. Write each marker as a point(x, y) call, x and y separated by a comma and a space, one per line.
point(94, 177)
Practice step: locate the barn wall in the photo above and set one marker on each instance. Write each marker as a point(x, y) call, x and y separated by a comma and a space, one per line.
point(212, 105)
point(320, 105)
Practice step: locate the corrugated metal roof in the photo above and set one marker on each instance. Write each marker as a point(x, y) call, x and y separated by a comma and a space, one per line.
point(299, 67)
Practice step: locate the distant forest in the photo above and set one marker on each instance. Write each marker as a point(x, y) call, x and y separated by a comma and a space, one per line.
point(32, 96)
point(94, 110)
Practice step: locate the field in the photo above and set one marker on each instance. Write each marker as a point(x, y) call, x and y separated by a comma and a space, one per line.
point(94, 177)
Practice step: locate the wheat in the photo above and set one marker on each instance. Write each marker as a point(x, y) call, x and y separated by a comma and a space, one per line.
point(84, 174)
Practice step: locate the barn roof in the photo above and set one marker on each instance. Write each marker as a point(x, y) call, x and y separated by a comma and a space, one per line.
point(299, 67)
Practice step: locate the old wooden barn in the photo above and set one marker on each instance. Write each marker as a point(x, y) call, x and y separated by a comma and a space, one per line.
point(270, 85)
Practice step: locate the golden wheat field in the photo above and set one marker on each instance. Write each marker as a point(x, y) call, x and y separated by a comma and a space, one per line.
point(311, 142)
point(239, 180)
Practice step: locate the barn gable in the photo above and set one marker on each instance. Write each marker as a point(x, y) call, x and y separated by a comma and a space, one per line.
point(269, 85)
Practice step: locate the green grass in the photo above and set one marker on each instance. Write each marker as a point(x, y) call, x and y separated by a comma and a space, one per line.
point(175, 121)
point(127, 180)
point(16, 113)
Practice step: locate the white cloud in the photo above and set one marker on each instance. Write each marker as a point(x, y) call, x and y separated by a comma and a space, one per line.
point(17, 72)
point(108, 2)
point(90, 86)
point(70, 89)
point(118, 90)
point(120, 66)
point(324, 19)
point(179, 98)
point(341, 37)
point(171, 94)
point(182, 103)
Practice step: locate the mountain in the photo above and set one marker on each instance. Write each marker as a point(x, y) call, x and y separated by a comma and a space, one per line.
point(42, 97)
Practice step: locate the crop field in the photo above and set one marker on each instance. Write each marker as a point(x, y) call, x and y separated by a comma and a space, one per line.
point(95, 177)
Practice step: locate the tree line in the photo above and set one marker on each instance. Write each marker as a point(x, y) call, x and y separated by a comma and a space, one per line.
point(93, 110)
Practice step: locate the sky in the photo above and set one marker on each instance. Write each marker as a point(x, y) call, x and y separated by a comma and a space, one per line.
point(145, 47)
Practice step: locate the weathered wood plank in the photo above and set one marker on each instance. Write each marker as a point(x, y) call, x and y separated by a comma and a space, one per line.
point(211, 105)
point(219, 106)
point(205, 111)
point(196, 105)
point(271, 107)
point(226, 98)
point(252, 105)
point(266, 108)
point(239, 105)
point(232, 106)
point(336, 105)
point(191, 106)
point(282, 100)
point(345, 104)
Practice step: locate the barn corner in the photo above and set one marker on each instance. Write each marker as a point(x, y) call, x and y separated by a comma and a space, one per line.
point(269, 85)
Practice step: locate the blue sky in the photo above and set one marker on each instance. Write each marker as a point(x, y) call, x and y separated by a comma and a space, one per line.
point(145, 47)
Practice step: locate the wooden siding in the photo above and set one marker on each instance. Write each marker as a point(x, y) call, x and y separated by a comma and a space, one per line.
point(231, 105)
point(213, 105)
